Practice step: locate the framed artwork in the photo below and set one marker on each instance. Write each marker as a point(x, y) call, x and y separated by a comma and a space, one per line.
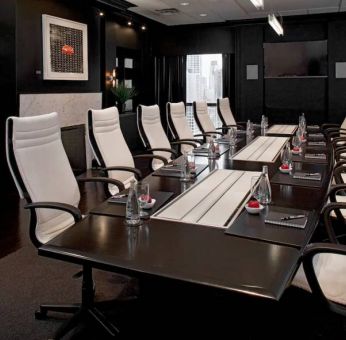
point(65, 49)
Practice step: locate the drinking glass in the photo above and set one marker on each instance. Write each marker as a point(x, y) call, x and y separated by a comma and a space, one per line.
point(143, 198)
point(191, 161)
point(232, 136)
point(286, 157)
point(255, 192)
point(296, 142)
point(185, 170)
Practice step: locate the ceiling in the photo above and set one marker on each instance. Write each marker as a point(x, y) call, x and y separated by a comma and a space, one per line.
point(222, 10)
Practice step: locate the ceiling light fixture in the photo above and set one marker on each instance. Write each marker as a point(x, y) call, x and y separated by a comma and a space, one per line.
point(143, 27)
point(129, 23)
point(101, 14)
point(276, 24)
point(184, 3)
point(203, 15)
point(259, 4)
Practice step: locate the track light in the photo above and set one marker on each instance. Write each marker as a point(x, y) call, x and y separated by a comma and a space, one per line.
point(259, 4)
point(275, 24)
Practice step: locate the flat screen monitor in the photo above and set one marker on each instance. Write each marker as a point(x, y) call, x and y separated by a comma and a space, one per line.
point(295, 59)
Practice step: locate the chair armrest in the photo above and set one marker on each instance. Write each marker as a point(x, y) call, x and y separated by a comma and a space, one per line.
point(173, 152)
point(329, 125)
point(339, 164)
point(151, 156)
point(213, 133)
point(326, 218)
point(105, 181)
point(338, 171)
point(233, 126)
point(199, 141)
point(184, 143)
point(75, 212)
point(334, 190)
point(136, 172)
point(308, 255)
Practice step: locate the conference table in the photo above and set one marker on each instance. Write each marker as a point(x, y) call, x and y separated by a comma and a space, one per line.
point(244, 255)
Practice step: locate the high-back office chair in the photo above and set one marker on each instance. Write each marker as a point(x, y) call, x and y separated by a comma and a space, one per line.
point(110, 148)
point(323, 269)
point(202, 118)
point(225, 113)
point(153, 135)
point(179, 127)
point(43, 176)
point(334, 130)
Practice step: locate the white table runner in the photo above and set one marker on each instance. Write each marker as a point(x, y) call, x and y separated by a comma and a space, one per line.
point(262, 149)
point(215, 201)
point(282, 129)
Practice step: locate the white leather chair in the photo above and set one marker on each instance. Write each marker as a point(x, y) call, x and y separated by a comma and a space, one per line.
point(323, 269)
point(153, 135)
point(202, 118)
point(44, 178)
point(110, 148)
point(178, 125)
point(225, 113)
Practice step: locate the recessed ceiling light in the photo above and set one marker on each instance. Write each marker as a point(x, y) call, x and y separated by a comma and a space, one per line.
point(101, 14)
point(184, 3)
point(129, 23)
point(203, 15)
point(143, 27)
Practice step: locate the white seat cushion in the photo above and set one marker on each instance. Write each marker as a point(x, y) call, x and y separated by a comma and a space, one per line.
point(151, 122)
point(225, 110)
point(203, 117)
point(111, 144)
point(330, 270)
point(45, 170)
point(178, 117)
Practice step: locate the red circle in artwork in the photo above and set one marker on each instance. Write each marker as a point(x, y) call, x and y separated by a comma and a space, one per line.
point(67, 49)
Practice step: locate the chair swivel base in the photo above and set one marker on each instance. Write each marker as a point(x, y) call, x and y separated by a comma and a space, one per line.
point(85, 312)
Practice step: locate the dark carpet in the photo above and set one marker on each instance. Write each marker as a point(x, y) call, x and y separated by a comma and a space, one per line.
point(28, 280)
point(164, 310)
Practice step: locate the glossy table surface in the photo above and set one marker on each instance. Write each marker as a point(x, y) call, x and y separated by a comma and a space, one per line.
point(245, 263)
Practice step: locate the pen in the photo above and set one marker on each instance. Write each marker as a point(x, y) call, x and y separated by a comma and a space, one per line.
point(292, 217)
point(120, 196)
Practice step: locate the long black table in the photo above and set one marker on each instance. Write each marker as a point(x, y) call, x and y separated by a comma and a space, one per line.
point(243, 262)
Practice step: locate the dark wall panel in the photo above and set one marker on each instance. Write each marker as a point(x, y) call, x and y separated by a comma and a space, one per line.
point(249, 93)
point(29, 45)
point(286, 98)
point(194, 39)
point(337, 87)
point(7, 78)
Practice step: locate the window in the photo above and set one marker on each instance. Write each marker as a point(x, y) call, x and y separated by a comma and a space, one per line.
point(203, 82)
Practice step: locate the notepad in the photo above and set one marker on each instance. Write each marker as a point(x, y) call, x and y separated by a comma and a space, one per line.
point(274, 217)
point(316, 135)
point(171, 168)
point(307, 176)
point(118, 200)
point(317, 143)
point(315, 156)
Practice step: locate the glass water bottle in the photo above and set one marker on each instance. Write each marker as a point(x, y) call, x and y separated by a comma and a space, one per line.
point(132, 206)
point(265, 192)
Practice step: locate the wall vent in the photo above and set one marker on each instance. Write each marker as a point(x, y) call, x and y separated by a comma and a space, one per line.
point(167, 11)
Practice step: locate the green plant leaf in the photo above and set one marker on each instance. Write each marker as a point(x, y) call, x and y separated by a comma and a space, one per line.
point(123, 93)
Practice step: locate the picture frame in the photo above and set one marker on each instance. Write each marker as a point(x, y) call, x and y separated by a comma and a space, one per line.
point(65, 49)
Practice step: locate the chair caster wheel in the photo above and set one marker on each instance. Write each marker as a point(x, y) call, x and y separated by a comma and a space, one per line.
point(40, 315)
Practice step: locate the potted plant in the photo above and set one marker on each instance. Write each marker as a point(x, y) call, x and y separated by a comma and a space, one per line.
point(122, 95)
